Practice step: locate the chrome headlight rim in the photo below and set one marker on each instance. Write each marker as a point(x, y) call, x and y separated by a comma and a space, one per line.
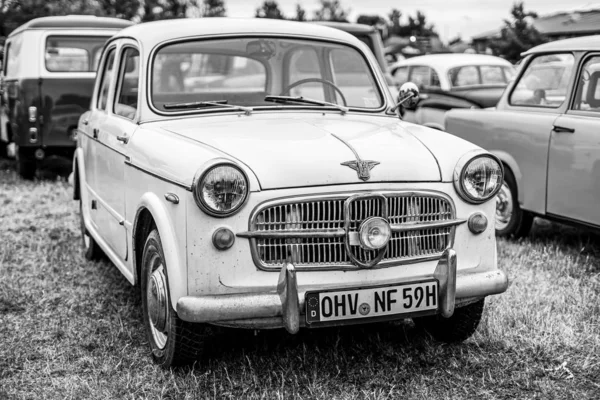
point(460, 169)
point(199, 177)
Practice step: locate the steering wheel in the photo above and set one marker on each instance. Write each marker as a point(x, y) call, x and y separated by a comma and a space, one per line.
point(289, 87)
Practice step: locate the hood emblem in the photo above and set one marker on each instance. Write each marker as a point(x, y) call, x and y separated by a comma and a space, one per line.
point(362, 167)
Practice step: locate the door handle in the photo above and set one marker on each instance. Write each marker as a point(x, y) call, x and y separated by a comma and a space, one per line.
point(95, 133)
point(123, 139)
point(562, 129)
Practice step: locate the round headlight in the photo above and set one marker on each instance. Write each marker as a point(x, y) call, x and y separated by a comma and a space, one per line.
point(374, 233)
point(479, 178)
point(221, 190)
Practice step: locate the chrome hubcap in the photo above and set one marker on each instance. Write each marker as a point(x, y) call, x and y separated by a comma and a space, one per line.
point(156, 294)
point(504, 207)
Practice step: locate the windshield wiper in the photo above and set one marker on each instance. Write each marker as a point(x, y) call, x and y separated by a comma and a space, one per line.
point(304, 100)
point(201, 104)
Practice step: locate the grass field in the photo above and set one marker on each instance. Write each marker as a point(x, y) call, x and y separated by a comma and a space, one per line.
point(72, 329)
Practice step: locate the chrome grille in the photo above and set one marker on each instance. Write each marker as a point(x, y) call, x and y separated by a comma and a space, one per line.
point(327, 214)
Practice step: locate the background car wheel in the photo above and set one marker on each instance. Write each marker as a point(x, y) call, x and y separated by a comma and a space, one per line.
point(172, 340)
point(458, 328)
point(91, 250)
point(26, 166)
point(511, 220)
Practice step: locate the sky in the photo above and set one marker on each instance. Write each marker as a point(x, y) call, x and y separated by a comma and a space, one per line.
point(450, 17)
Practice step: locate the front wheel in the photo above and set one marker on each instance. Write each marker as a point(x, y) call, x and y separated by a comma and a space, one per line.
point(172, 340)
point(458, 328)
point(511, 220)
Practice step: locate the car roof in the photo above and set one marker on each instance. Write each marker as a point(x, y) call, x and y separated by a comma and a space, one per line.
point(153, 33)
point(583, 43)
point(348, 27)
point(74, 22)
point(452, 60)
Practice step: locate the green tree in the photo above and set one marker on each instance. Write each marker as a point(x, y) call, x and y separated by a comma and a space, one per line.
point(369, 19)
point(214, 8)
point(300, 13)
point(518, 34)
point(331, 10)
point(269, 9)
point(168, 9)
point(126, 9)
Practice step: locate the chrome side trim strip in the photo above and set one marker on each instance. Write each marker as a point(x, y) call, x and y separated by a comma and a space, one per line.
point(174, 182)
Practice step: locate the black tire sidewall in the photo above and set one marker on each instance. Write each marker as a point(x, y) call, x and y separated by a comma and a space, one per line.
point(517, 215)
point(25, 165)
point(165, 355)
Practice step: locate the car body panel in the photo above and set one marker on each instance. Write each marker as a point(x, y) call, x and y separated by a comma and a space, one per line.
point(557, 171)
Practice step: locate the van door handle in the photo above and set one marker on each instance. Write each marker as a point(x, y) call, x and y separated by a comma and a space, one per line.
point(123, 139)
point(95, 133)
point(562, 129)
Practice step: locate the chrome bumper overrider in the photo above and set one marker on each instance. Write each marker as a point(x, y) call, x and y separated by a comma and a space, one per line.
point(288, 304)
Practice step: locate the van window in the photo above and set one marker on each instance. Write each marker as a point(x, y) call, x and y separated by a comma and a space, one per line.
point(73, 53)
point(13, 56)
point(105, 80)
point(127, 98)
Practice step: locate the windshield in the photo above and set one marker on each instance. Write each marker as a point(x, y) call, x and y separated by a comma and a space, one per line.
point(245, 71)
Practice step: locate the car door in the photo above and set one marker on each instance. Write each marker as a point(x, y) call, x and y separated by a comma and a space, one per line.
point(574, 154)
point(107, 159)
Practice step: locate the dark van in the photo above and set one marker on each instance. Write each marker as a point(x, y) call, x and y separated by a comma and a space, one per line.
point(49, 73)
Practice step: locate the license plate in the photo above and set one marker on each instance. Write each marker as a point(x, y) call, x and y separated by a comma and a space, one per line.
point(372, 302)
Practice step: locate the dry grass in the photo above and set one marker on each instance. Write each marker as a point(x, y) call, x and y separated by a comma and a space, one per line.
point(71, 329)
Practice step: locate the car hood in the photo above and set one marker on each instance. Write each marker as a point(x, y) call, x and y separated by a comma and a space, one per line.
point(299, 150)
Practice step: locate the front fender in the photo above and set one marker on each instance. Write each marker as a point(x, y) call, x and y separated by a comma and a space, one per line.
point(176, 267)
point(514, 167)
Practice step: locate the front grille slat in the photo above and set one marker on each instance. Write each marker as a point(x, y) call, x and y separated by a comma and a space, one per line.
point(328, 213)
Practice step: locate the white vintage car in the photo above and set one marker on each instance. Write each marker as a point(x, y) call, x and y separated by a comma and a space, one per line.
point(253, 174)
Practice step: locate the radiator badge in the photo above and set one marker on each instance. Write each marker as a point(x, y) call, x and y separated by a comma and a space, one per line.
point(362, 167)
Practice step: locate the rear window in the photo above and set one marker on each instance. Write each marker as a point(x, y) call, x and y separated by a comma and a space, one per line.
point(73, 53)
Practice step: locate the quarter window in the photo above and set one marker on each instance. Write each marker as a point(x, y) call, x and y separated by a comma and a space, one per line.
point(545, 81)
point(587, 96)
point(424, 77)
point(129, 72)
point(73, 53)
point(105, 80)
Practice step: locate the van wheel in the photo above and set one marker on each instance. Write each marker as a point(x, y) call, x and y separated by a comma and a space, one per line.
point(458, 328)
point(511, 220)
point(91, 250)
point(26, 165)
point(172, 340)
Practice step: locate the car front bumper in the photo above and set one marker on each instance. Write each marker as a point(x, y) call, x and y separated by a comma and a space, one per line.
point(285, 305)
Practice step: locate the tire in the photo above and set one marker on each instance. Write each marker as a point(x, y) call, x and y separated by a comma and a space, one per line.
point(458, 328)
point(91, 250)
point(511, 220)
point(26, 166)
point(172, 341)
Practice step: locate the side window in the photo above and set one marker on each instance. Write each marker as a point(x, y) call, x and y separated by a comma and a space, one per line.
point(545, 81)
point(587, 96)
point(491, 75)
point(464, 76)
point(105, 80)
point(13, 55)
point(126, 100)
point(420, 76)
point(401, 75)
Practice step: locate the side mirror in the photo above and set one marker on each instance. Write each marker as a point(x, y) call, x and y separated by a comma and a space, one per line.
point(408, 97)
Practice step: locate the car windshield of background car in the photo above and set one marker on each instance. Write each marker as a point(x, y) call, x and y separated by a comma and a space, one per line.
point(244, 71)
point(73, 53)
point(544, 83)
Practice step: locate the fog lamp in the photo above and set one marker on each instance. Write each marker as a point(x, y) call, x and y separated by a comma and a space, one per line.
point(477, 222)
point(223, 238)
point(374, 233)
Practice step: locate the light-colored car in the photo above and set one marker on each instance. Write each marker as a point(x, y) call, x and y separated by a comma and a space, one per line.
point(266, 208)
point(450, 81)
point(545, 130)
